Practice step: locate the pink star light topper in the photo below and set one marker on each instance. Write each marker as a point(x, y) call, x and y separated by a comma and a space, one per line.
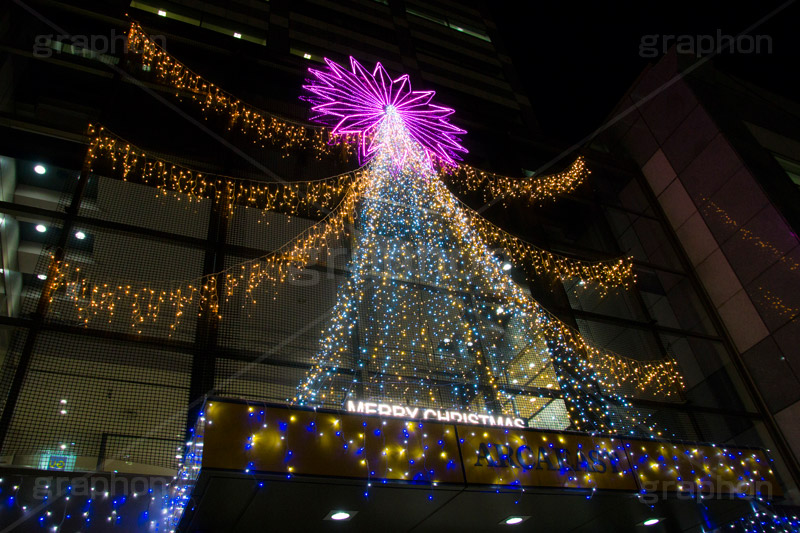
point(356, 102)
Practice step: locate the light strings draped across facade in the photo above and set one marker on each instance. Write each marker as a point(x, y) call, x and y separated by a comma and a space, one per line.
point(427, 312)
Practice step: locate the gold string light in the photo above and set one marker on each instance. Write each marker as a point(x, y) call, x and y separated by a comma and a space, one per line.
point(109, 152)
point(110, 155)
point(606, 274)
point(263, 127)
point(467, 179)
point(147, 302)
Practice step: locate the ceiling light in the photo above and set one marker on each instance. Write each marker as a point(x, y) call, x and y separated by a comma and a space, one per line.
point(651, 521)
point(40, 169)
point(162, 13)
point(306, 56)
point(237, 35)
point(340, 515)
point(41, 228)
point(80, 235)
point(513, 520)
point(506, 266)
point(42, 276)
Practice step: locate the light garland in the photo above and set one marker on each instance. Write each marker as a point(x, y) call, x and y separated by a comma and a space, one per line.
point(764, 519)
point(535, 190)
point(147, 302)
point(712, 208)
point(109, 155)
point(80, 501)
point(264, 128)
point(606, 274)
point(766, 297)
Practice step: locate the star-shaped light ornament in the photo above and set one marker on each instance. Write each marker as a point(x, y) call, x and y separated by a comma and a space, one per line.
point(356, 102)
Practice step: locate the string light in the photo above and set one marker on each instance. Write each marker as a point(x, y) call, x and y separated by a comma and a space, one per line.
point(265, 127)
point(111, 156)
point(148, 301)
point(467, 179)
point(606, 274)
point(262, 127)
point(712, 208)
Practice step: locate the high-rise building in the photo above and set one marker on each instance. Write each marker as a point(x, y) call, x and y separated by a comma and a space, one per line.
point(111, 236)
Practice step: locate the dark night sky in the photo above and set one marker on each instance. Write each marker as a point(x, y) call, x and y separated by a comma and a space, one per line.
point(577, 60)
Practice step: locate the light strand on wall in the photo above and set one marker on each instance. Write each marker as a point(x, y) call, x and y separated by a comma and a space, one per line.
point(606, 274)
point(534, 190)
point(146, 302)
point(110, 155)
point(264, 128)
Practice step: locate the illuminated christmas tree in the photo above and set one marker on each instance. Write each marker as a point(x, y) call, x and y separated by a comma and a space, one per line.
point(434, 312)
point(431, 314)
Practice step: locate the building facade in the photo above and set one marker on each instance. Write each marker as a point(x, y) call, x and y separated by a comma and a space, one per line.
point(90, 387)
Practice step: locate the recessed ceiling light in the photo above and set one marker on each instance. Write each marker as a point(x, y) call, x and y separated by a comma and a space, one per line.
point(513, 520)
point(40, 169)
point(42, 276)
point(340, 515)
point(80, 235)
point(41, 228)
point(651, 521)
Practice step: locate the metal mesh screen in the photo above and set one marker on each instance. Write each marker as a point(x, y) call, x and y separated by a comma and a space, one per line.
point(146, 207)
point(118, 271)
point(634, 343)
point(100, 400)
point(12, 340)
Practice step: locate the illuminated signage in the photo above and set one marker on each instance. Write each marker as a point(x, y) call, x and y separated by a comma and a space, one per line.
point(442, 415)
point(56, 461)
point(419, 445)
